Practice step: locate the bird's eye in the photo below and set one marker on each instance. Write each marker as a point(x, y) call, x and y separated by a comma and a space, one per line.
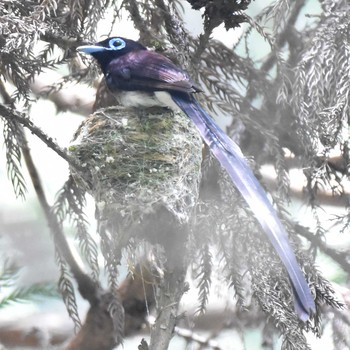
point(116, 44)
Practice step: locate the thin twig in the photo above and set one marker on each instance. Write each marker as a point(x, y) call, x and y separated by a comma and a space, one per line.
point(11, 114)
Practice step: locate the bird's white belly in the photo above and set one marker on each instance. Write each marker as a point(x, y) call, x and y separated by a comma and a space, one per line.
point(142, 99)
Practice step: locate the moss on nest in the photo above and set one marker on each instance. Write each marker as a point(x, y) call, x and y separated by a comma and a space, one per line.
point(137, 162)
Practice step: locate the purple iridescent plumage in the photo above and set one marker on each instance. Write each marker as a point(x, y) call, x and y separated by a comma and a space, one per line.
point(130, 67)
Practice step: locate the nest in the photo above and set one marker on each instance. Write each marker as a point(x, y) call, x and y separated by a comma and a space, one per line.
point(139, 161)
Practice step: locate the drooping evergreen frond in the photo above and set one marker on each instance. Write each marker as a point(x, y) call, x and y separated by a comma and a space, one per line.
point(84, 15)
point(203, 272)
point(230, 249)
point(8, 273)
point(28, 294)
point(13, 134)
point(70, 202)
point(66, 288)
point(249, 261)
point(8, 278)
point(111, 256)
point(321, 86)
point(116, 312)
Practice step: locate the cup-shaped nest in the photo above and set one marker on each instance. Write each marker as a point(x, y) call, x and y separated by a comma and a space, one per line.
point(136, 162)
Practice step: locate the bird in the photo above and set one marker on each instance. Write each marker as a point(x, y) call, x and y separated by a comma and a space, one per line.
point(143, 78)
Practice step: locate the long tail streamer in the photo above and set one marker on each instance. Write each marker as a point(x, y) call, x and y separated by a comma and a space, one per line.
point(230, 156)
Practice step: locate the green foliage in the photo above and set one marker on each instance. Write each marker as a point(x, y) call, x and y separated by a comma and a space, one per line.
point(8, 277)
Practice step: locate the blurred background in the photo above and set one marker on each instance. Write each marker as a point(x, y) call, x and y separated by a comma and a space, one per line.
point(38, 317)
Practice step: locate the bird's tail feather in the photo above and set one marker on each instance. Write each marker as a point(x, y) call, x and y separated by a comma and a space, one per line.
point(232, 159)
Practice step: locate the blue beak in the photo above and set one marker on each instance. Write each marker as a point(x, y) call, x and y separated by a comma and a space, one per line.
point(91, 48)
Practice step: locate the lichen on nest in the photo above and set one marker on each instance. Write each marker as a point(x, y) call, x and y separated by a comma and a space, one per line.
point(137, 161)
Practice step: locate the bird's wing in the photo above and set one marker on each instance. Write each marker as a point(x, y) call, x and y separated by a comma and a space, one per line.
point(149, 71)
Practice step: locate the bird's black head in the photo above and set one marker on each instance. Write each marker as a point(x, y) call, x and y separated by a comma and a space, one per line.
point(107, 50)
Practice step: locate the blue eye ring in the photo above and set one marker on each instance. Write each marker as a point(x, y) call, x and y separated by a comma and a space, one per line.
point(116, 44)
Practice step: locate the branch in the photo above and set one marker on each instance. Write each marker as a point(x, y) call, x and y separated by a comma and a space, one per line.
point(324, 195)
point(271, 59)
point(85, 284)
point(13, 115)
point(340, 257)
point(139, 22)
point(204, 342)
point(99, 330)
point(175, 31)
point(171, 290)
